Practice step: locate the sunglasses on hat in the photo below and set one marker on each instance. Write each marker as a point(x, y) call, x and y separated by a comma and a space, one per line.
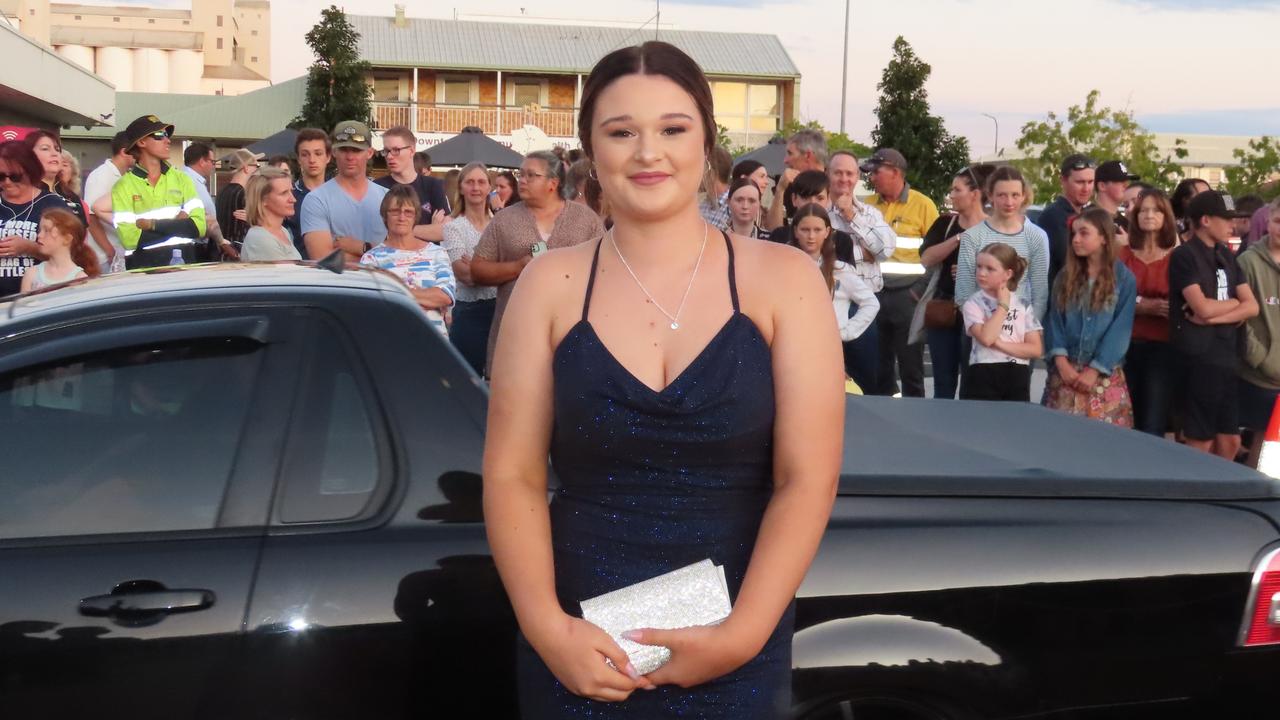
point(350, 136)
point(1082, 164)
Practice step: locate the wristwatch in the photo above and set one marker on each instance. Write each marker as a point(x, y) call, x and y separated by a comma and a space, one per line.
point(1003, 305)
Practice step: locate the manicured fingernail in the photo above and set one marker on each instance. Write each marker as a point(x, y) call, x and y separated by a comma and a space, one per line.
point(631, 672)
point(632, 635)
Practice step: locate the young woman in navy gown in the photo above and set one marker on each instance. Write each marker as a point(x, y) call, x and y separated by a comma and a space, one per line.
point(688, 387)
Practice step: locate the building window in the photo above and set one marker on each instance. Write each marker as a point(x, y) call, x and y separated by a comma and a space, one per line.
point(386, 88)
point(254, 33)
point(77, 17)
point(151, 21)
point(186, 22)
point(219, 43)
point(219, 21)
point(253, 59)
point(115, 19)
point(458, 90)
point(523, 92)
point(751, 112)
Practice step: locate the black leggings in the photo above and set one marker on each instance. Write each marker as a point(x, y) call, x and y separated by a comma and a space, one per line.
point(996, 381)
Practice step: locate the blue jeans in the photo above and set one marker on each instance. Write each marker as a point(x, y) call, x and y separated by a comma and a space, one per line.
point(862, 358)
point(1151, 369)
point(470, 331)
point(944, 352)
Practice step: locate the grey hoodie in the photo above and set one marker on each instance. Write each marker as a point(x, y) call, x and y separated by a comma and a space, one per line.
point(1261, 364)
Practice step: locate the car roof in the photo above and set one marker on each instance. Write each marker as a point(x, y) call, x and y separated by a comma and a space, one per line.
point(209, 279)
point(909, 446)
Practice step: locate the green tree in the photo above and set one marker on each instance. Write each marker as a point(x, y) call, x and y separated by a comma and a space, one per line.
point(903, 122)
point(1102, 134)
point(1259, 169)
point(336, 88)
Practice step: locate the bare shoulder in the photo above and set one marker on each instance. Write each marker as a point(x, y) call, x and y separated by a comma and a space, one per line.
point(556, 280)
point(780, 267)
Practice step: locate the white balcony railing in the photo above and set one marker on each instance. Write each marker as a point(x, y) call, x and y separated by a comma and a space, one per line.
point(492, 119)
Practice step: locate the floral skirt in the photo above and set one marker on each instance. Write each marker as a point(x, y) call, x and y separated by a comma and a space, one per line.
point(1109, 401)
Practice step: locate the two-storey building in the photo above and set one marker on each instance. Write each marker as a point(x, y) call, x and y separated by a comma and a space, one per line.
point(521, 82)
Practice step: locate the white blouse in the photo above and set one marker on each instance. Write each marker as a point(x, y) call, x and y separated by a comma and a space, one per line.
point(851, 289)
point(460, 238)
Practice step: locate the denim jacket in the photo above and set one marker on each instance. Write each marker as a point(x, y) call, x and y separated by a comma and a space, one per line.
point(1098, 339)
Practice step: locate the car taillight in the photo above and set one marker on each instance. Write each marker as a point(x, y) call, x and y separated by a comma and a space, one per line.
point(1262, 614)
point(1269, 459)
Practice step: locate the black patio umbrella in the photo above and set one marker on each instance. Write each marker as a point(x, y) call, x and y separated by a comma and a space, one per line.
point(472, 145)
point(770, 155)
point(279, 144)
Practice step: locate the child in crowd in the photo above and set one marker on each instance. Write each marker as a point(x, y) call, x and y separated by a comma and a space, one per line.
point(811, 231)
point(61, 239)
point(1004, 328)
point(1089, 326)
point(1260, 371)
point(1209, 297)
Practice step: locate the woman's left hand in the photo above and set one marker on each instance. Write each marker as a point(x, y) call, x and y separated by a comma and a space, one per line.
point(698, 654)
point(1086, 380)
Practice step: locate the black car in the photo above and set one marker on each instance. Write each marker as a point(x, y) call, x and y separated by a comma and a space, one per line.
point(246, 491)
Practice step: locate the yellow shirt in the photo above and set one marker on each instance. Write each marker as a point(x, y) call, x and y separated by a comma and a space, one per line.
point(910, 215)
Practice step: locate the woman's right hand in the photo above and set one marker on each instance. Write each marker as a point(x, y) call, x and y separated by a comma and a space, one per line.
point(575, 651)
point(1005, 295)
point(1154, 306)
point(1066, 371)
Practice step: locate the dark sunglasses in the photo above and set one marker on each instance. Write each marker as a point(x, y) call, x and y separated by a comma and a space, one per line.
point(13, 177)
point(161, 135)
point(968, 170)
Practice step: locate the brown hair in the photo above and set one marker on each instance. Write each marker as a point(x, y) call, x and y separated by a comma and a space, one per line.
point(68, 224)
point(976, 177)
point(63, 189)
point(651, 58)
point(1074, 278)
point(399, 195)
point(1009, 173)
point(1167, 236)
point(1008, 258)
point(401, 132)
point(828, 245)
point(310, 134)
point(21, 158)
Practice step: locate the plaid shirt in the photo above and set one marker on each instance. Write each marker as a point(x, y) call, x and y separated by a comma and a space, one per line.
point(716, 213)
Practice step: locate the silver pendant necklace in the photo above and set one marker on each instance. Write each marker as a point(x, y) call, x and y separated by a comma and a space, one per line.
point(675, 319)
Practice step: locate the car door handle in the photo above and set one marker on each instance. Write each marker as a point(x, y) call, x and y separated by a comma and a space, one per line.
point(156, 601)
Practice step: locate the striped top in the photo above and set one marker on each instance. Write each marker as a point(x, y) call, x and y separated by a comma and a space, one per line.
point(1031, 243)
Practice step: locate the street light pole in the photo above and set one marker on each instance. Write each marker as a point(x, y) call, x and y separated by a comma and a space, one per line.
point(844, 67)
point(995, 150)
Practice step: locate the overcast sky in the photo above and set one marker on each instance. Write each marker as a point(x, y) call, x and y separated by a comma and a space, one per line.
point(1181, 65)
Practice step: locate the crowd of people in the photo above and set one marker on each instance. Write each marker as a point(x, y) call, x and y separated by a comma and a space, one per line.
point(1134, 300)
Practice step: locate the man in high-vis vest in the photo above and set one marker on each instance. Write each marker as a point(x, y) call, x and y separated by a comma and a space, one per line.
point(155, 208)
point(910, 213)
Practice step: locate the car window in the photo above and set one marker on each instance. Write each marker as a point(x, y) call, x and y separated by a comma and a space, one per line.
point(141, 439)
point(333, 466)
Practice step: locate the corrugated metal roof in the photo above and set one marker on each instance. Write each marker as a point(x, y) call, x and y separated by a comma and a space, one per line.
point(250, 117)
point(465, 44)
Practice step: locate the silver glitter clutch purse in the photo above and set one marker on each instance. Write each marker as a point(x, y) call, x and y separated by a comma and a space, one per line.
point(693, 596)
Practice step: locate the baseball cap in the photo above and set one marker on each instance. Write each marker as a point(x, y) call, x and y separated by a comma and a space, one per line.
point(1114, 171)
point(884, 156)
point(351, 134)
point(144, 126)
point(238, 159)
point(1211, 203)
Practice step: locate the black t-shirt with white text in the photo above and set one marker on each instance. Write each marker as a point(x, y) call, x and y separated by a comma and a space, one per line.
point(1215, 271)
point(430, 193)
point(22, 220)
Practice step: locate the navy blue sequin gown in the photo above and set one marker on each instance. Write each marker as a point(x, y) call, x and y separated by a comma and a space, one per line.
point(651, 482)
